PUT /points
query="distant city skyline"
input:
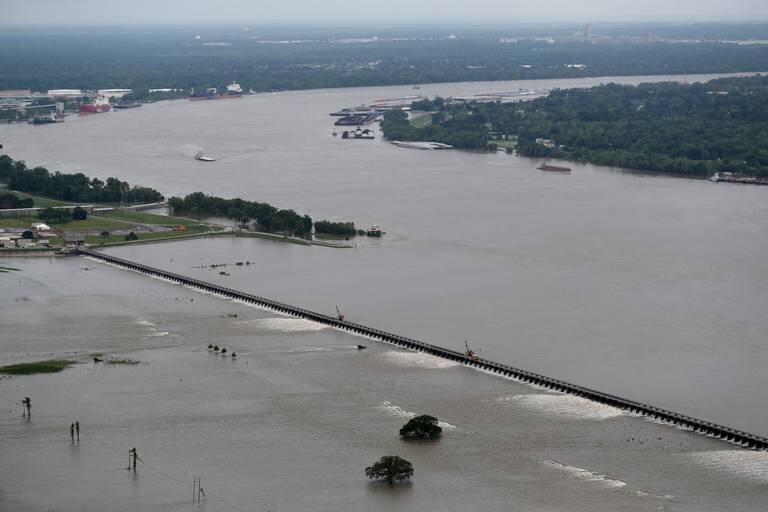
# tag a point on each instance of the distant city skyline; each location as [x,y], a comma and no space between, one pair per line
[330,11]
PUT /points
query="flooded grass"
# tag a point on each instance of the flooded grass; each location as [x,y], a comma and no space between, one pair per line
[50,366]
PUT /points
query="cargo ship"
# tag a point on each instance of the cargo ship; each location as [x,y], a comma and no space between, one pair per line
[98,105]
[554,168]
[211,93]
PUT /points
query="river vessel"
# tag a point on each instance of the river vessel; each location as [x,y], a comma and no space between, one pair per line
[554,168]
[364,134]
[201,157]
[421,145]
[211,93]
[736,177]
[127,104]
[374,231]
[38,120]
[97,106]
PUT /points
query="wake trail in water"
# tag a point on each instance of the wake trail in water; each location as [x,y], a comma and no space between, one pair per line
[414,359]
[563,405]
[394,410]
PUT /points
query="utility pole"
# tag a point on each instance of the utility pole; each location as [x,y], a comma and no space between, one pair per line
[197,490]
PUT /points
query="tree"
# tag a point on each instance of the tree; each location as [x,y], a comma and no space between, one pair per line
[55,215]
[421,427]
[390,468]
[79,213]
[27,235]
[131,236]
[104,234]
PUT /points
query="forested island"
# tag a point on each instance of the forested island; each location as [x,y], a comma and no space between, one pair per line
[687,129]
[177,59]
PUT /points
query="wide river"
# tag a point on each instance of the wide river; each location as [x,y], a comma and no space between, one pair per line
[649,287]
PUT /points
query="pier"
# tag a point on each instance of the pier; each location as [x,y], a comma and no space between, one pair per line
[722,432]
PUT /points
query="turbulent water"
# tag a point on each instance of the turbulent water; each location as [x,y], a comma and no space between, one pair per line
[648,287]
[292,421]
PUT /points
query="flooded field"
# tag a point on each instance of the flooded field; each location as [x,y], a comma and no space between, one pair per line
[293,420]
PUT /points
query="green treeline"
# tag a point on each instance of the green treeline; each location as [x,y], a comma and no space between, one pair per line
[71,187]
[167,57]
[335,228]
[79,188]
[450,125]
[267,217]
[9,200]
[689,129]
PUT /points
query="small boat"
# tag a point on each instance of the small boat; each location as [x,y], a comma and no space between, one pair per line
[203,158]
[360,347]
[374,231]
[554,168]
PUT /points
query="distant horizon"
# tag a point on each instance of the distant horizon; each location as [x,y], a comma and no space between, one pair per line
[390,22]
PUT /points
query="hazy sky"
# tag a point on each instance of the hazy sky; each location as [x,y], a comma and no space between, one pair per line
[251,11]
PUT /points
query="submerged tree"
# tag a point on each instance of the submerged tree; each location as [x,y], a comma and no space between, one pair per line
[421,427]
[390,468]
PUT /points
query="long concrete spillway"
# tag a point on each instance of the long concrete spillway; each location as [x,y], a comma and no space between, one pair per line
[704,427]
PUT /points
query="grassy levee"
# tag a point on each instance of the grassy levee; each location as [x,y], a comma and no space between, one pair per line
[192,231]
[40,202]
[50,366]
[92,222]
[149,218]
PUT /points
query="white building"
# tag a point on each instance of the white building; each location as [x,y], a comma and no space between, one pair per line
[114,93]
[39,226]
[65,93]
[6,242]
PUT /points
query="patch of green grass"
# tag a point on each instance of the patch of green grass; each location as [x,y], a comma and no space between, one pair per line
[42,202]
[50,366]
[92,222]
[111,239]
[149,218]
[17,222]
[421,121]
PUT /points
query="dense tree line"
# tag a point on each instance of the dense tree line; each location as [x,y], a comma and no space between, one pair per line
[71,187]
[9,200]
[462,129]
[267,217]
[691,129]
[335,228]
[163,58]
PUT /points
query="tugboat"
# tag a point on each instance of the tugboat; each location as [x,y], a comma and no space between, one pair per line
[471,354]
[374,231]
[200,156]
[359,133]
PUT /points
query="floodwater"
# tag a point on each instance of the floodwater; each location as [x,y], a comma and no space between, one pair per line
[291,423]
[652,288]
